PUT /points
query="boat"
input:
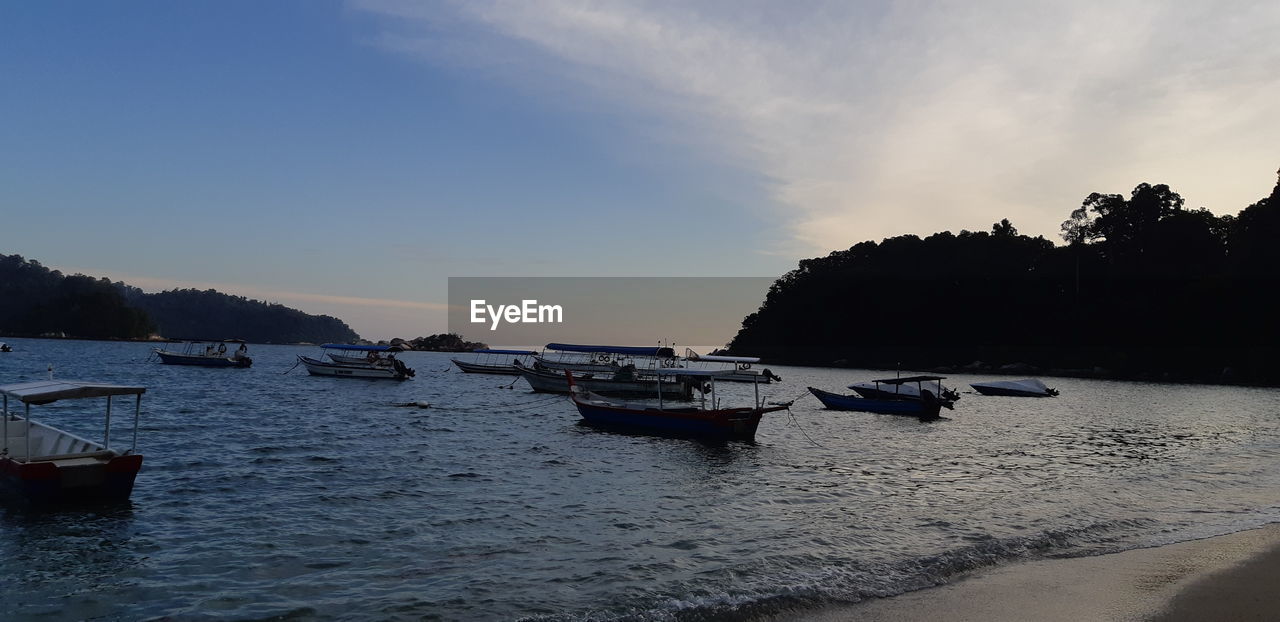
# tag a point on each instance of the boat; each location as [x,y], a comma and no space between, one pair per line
[207,354]
[604,359]
[1027,387]
[40,464]
[685,421]
[739,367]
[4,347]
[489,361]
[926,406]
[873,390]
[625,382]
[373,365]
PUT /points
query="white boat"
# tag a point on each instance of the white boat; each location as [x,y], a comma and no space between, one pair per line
[624,383]
[210,354]
[1027,387]
[379,362]
[739,368]
[490,361]
[41,464]
[604,359]
[881,390]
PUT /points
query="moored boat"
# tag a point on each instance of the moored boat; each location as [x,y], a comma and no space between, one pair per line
[1027,387]
[490,361]
[739,368]
[692,421]
[379,362]
[876,389]
[4,347]
[207,354]
[603,359]
[625,382]
[40,464]
[926,406]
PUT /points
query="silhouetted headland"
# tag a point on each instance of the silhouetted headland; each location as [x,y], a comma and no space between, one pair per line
[1143,288]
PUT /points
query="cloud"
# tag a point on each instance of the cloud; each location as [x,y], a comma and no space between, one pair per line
[875,119]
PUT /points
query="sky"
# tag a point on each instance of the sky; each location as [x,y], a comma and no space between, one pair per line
[348,157]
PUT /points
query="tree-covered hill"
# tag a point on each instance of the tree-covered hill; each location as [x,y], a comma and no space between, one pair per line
[210,314]
[40,301]
[1142,287]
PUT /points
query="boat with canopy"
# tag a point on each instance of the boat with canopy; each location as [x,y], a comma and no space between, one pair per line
[739,367]
[625,381]
[378,362]
[712,423]
[926,406]
[40,464]
[1027,387]
[206,353]
[492,361]
[603,359]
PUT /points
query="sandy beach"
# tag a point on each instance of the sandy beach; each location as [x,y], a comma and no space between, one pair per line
[1231,577]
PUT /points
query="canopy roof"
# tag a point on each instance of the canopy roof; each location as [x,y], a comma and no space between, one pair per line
[683,371]
[489,351]
[175,339]
[909,379]
[626,350]
[46,391]
[724,359]
[343,346]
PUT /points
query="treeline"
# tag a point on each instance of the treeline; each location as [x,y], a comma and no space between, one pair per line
[39,301]
[210,314]
[1143,287]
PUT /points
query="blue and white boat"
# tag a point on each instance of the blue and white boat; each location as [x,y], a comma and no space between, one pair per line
[490,361]
[603,359]
[207,354]
[926,404]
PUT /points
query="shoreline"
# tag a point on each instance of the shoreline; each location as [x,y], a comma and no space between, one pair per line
[1228,577]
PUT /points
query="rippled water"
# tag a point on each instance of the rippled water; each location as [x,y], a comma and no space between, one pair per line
[265,495]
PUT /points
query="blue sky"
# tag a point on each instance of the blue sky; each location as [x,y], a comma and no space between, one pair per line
[348,157]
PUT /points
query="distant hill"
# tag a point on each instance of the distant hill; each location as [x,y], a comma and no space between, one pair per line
[41,301]
[210,314]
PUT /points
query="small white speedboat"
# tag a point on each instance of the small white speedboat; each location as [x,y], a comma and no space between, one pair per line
[1028,387]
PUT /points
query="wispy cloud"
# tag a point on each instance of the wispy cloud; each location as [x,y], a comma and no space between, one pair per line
[873,119]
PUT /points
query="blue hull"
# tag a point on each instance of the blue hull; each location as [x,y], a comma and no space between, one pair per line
[169,358]
[911,408]
[682,422]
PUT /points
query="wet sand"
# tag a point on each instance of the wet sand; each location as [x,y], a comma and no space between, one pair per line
[1231,577]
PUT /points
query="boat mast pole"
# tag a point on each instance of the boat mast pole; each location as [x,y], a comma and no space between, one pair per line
[659,390]
[106,432]
[27,421]
[137,411]
[5,408]
[755,384]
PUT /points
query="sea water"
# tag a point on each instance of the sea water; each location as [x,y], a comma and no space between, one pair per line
[267,494]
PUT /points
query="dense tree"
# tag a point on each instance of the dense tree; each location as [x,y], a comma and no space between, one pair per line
[1143,285]
[40,301]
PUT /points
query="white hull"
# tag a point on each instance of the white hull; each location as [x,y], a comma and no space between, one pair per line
[320,368]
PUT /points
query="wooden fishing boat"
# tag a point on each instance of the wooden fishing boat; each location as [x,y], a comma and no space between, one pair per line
[490,361]
[40,464]
[207,354]
[379,362]
[626,382]
[1028,387]
[926,406]
[692,421]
